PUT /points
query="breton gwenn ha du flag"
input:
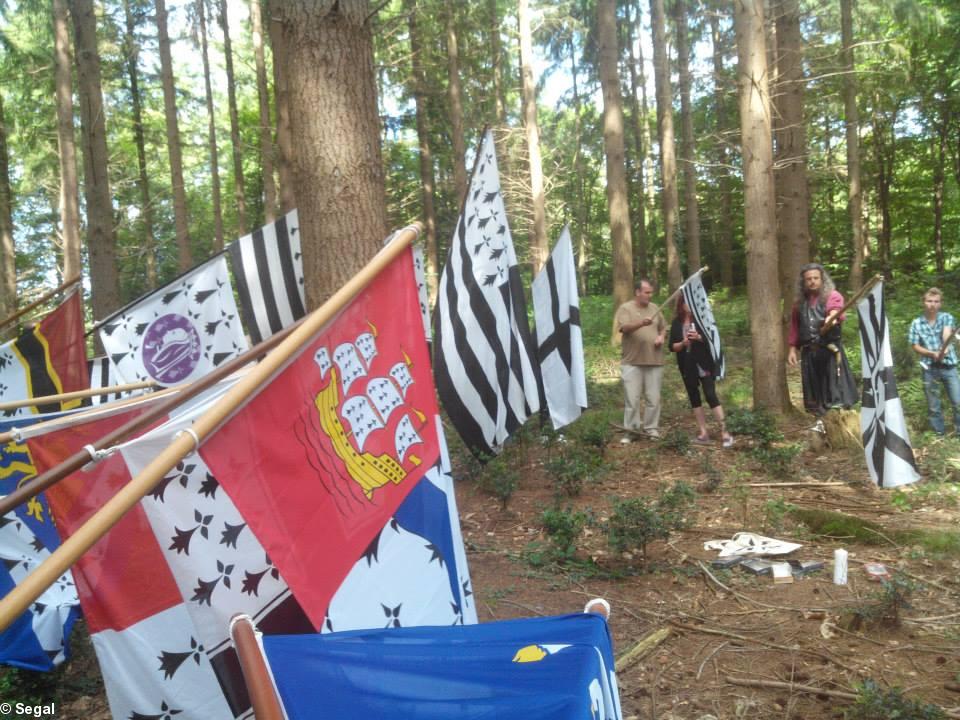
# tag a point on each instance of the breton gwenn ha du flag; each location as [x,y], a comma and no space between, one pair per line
[885,439]
[556,310]
[268,267]
[298,487]
[178,333]
[695,298]
[484,364]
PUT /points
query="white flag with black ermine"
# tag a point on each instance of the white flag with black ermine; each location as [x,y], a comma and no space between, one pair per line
[556,310]
[695,297]
[178,333]
[886,442]
[268,268]
[484,363]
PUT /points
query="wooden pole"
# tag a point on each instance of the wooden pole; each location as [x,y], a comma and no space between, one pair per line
[946,343]
[256,676]
[179,395]
[679,290]
[825,328]
[20,597]
[64,397]
[43,298]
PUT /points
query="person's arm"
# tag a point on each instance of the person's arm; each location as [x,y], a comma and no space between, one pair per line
[946,334]
[661,330]
[832,308]
[677,343]
[793,337]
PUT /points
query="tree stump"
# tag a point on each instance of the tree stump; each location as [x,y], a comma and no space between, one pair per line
[843,429]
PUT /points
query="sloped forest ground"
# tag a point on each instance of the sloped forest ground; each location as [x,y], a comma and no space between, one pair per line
[557,520]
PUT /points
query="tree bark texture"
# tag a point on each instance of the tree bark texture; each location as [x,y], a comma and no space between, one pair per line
[763,283]
[148,249]
[282,99]
[687,142]
[338,171]
[101,235]
[581,201]
[852,127]
[8,252]
[265,134]
[724,222]
[455,109]
[239,192]
[181,220]
[539,247]
[668,162]
[793,199]
[639,120]
[613,143]
[66,143]
[212,149]
[499,97]
[427,179]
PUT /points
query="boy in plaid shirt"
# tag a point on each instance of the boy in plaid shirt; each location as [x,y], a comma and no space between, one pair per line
[927,336]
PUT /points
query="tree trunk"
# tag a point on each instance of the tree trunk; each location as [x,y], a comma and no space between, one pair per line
[211,132]
[885,156]
[239,193]
[725,220]
[427,180]
[581,202]
[338,170]
[66,144]
[769,379]
[8,252]
[939,176]
[649,172]
[180,212]
[282,99]
[263,99]
[456,106]
[499,97]
[852,124]
[641,153]
[148,248]
[687,143]
[668,163]
[539,248]
[101,236]
[620,241]
[793,201]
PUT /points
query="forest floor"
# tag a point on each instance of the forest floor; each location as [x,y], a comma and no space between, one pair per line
[738,645]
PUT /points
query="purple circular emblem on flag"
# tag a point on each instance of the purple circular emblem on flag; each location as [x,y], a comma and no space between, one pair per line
[171,349]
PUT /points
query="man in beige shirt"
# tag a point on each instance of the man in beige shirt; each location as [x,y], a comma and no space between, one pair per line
[642,328]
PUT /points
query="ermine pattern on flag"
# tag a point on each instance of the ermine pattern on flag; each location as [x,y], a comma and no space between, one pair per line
[484,360]
[556,310]
[102,375]
[268,268]
[695,297]
[886,442]
[177,333]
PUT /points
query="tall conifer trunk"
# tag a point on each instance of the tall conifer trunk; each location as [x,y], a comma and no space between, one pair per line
[455,109]
[282,99]
[8,252]
[239,192]
[212,149]
[725,219]
[101,235]
[687,142]
[852,127]
[265,134]
[66,143]
[539,248]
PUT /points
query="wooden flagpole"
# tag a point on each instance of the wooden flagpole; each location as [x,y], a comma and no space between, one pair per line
[37,303]
[64,397]
[676,292]
[946,343]
[21,596]
[256,676]
[825,328]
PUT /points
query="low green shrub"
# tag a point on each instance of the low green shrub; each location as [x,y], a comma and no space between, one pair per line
[876,703]
[636,522]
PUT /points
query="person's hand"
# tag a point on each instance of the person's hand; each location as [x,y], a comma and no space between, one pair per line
[939,356]
[693,335]
[658,342]
[792,357]
[646,321]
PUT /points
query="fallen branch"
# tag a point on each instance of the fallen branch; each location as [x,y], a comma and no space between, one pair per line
[797,484]
[643,646]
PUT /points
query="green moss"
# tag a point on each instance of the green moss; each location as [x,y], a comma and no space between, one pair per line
[831,524]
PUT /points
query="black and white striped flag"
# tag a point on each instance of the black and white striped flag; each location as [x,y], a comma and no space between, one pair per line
[695,298]
[886,442]
[484,364]
[268,269]
[556,311]
[102,375]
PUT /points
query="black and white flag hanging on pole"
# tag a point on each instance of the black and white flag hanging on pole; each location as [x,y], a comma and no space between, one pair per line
[178,333]
[556,310]
[885,440]
[695,298]
[484,364]
[268,267]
